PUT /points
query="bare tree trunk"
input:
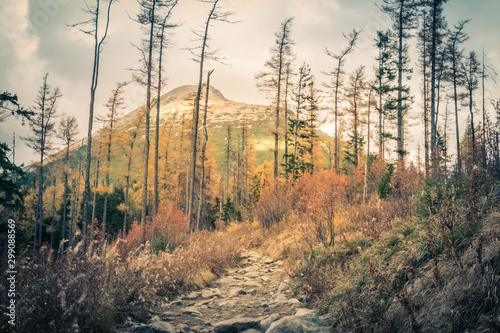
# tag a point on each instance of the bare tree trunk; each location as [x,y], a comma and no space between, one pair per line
[127,177]
[158,99]
[365,192]
[400,87]
[53,214]
[148,116]
[196,115]
[96,184]
[65,199]
[286,114]
[203,150]
[93,87]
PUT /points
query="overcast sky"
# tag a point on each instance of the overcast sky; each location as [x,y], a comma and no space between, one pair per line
[35,39]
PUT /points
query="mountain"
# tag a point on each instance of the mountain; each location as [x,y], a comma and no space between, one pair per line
[176,106]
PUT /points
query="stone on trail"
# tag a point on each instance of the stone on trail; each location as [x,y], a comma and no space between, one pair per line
[193,295]
[266,323]
[211,293]
[283,286]
[156,327]
[237,325]
[236,291]
[306,321]
[192,311]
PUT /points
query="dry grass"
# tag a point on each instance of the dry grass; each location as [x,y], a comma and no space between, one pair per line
[93,293]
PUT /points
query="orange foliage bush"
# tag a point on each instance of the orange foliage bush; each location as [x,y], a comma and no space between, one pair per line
[169,226]
[318,199]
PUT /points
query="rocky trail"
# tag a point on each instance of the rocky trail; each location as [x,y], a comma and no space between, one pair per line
[250,298]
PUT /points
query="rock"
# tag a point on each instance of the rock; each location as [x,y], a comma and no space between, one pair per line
[156,327]
[266,279]
[306,321]
[253,274]
[283,286]
[155,318]
[302,312]
[293,301]
[251,269]
[268,261]
[252,284]
[193,295]
[266,323]
[176,303]
[192,311]
[182,328]
[228,304]
[169,314]
[236,291]
[237,325]
[252,330]
[211,293]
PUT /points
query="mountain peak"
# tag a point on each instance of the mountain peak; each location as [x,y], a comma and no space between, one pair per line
[184,92]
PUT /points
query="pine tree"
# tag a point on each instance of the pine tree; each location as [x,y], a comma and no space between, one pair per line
[404,14]
[385,75]
[455,52]
[297,142]
[471,82]
[42,126]
[337,74]
[271,79]
[114,105]
[68,130]
[355,93]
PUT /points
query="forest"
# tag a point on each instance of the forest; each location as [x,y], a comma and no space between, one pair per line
[115,229]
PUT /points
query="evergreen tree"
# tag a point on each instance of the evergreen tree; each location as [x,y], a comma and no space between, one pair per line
[272,78]
[42,127]
[404,14]
[385,75]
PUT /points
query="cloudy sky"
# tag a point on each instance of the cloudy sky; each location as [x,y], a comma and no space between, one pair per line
[35,40]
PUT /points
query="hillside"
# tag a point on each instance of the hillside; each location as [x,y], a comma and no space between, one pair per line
[177,107]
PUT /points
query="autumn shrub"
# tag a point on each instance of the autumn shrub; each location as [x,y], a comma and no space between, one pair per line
[431,268]
[78,290]
[273,205]
[167,230]
[93,291]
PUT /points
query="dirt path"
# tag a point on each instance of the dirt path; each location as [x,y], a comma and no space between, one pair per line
[251,298]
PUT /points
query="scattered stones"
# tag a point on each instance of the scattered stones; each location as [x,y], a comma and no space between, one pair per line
[251,298]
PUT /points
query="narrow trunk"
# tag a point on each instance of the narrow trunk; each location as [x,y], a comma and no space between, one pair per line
[53,215]
[400,90]
[365,192]
[196,116]
[65,199]
[96,183]
[286,114]
[433,86]
[148,116]
[455,98]
[337,83]
[202,157]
